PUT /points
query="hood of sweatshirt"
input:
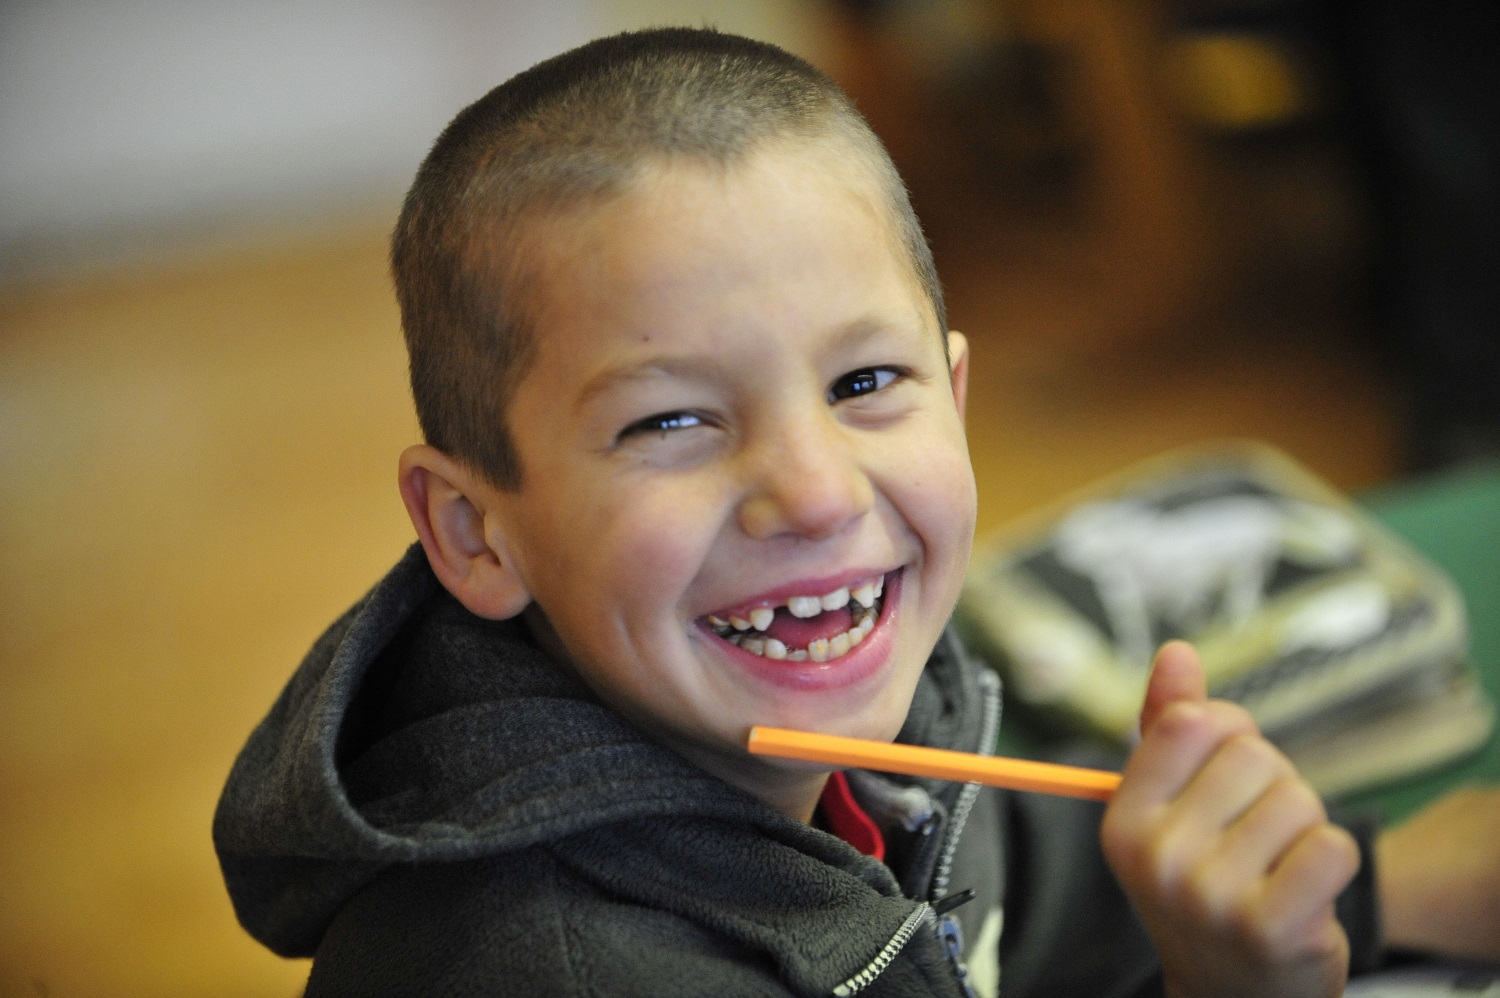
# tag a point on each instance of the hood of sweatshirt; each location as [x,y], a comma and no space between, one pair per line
[415,732]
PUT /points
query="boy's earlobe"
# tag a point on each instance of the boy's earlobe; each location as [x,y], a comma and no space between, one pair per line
[958,364]
[449,505]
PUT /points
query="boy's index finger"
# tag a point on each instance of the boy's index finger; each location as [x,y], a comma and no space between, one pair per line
[1174,746]
[1169,753]
[1179,743]
[1176,674]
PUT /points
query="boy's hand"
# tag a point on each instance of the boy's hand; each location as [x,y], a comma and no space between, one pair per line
[1439,876]
[1223,849]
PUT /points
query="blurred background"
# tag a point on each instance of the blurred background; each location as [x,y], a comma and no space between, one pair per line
[1159,221]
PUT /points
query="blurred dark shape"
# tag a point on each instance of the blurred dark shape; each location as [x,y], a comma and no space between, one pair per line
[868,8]
[1004,108]
[1423,99]
[1414,95]
[1320,155]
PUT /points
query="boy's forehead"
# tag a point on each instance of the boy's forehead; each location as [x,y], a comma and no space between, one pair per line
[848,167]
[554,246]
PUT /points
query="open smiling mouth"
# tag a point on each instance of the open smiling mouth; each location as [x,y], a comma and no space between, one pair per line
[805,628]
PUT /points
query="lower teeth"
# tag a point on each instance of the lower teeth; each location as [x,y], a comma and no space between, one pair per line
[821,650]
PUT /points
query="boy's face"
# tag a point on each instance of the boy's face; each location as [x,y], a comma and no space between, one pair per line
[740,400]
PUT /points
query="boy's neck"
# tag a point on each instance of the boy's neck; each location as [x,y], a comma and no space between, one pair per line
[796,798]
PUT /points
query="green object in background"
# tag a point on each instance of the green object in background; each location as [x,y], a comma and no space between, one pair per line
[1454,520]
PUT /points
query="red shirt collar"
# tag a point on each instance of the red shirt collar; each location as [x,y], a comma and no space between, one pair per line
[846,819]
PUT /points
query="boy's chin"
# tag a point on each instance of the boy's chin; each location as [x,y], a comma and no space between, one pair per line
[867,725]
[797,767]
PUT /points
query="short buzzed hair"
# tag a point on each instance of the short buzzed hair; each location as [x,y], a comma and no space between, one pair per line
[576,127]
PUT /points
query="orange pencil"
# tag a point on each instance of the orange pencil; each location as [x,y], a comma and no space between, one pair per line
[966,767]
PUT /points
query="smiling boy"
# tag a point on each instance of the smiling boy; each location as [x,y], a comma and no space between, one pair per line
[745,406]
[695,461]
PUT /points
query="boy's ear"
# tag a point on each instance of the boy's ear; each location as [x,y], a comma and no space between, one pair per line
[453,512]
[958,364]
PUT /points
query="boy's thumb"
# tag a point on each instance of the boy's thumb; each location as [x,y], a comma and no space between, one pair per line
[1176,674]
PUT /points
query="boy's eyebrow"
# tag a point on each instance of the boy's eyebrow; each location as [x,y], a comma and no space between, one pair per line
[706,368]
[690,368]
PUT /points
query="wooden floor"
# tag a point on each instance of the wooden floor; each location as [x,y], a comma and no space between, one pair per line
[197,468]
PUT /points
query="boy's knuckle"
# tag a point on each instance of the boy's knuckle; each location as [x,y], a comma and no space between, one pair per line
[1341,852]
[1231,718]
[1168,858]
[1250,752]
[1179,723]
[1205,896]
[1274,758]
[1297,798]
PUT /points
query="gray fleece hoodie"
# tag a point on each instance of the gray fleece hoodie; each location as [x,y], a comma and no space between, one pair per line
[433,807]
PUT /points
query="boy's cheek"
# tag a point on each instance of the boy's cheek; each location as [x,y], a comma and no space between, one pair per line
[957,503]
[649,525]
[936,463]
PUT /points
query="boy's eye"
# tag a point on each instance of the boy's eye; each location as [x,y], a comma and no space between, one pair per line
[662,422]
[861,382]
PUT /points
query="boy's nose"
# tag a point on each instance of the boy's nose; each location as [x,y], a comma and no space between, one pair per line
[805,485]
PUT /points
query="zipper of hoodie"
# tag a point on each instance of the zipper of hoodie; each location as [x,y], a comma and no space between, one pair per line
[989,729]
[875,967]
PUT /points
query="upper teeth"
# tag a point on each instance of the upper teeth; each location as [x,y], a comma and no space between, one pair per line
[805,606]
[760,618]
[866,593]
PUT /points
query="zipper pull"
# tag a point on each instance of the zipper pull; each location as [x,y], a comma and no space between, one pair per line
[952,901]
